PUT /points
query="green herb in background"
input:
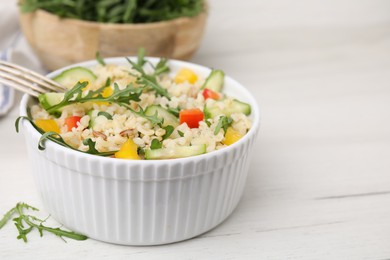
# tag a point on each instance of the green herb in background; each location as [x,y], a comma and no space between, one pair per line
[116,11]
[26,223]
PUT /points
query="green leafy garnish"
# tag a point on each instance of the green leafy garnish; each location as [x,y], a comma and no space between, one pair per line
[116,11]
[180,133]
[140,151]
[26,223]
[174,111]
[91,146]
[156,144]
[168,131]
[100,59]
[105,114]
[122,97]
[224,122]
[161,67]
[76,95]
[149,81]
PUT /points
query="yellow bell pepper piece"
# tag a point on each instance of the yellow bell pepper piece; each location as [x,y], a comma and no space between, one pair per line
[128,151]
[231,136]
[47,125]
[105,93]
[186,75]
[87,86]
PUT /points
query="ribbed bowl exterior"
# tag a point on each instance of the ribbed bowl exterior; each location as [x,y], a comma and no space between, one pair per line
[139,205]
[139,202]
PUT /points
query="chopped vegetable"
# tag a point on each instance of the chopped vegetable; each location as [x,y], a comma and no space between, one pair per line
[208,93]
[160,112]
[231,136]
[224,122]
[48,100]
[186,75]
[168,131]
[72,121]
[107,91]
[191,117]
[175,152]
[47,125]
[226,107]
[214,81]
[156,144]
[68,78]
[128,151]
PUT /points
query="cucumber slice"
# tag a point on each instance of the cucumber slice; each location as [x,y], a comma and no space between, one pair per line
[214,81]
[70,77]
[92,117]
[175,152]
[213,109]
[169,118]
[48,100]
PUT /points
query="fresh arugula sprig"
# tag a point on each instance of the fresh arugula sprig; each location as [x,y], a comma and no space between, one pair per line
[55,137]
[122,97]
[76,95]
[155,144]
[100,59]
[149,81]
[25,223]
[161,67]
[224,122]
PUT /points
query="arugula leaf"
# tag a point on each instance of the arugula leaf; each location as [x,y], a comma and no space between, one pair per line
[161,67]
[121,97]
[168,131]
[33,222]
[75,95]
[91,146]
[100,59]
[105,114]
[150,81]
[141,57]
[224,122]
[174,111]
[156,144]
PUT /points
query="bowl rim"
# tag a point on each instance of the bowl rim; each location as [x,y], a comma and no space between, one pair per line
[251,134]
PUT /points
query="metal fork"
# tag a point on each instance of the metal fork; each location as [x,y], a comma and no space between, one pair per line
[26,80]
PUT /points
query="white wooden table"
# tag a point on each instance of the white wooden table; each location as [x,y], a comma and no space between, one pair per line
[319,185]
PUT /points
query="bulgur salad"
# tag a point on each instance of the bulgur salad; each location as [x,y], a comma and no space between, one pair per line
[140,110]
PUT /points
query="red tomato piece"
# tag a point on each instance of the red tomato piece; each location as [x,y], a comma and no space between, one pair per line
[208,93]
[72,122]
[191,116]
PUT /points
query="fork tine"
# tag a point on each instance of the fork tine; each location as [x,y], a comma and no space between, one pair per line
[32,76]
[14,75]
[24,83]
[20,87]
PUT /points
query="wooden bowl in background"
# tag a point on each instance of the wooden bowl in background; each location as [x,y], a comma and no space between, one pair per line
[59,42]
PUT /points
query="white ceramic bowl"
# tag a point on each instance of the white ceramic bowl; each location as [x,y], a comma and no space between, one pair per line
[145,202]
